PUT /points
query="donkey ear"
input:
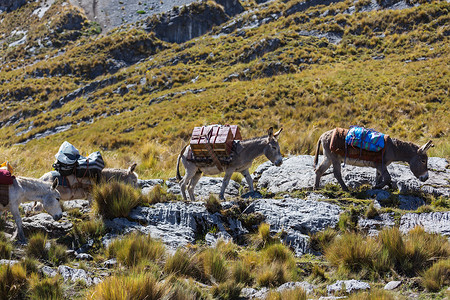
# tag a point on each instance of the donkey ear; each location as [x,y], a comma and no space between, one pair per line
[270,133]
[131,168]
[276,134]
[55,183]
[425,147]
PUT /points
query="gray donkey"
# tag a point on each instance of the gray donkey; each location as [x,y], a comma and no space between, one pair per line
[243,155]
[395,150]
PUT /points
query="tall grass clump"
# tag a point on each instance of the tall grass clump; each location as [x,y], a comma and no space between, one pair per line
[376,294]
[135,249]
[57,253]
[227,290]
[183,263]
[320,240]
[159,195]
[214,265]
[13,282]
[84,231]
[437,276]
[5,247]
[36,247]
[279,253]
[263,237]
[353,253]
[272,275]
[241,274]
[141,286]
[115,199]
[45,288]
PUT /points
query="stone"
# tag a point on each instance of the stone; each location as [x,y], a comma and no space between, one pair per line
[10,5]
[296,218]
[392,285]
[374,225]
[44,222]
[82,205]
[8,262]
[212,238]
[434,222]
[251,293]
[288,177]
[205,187]
[71,274]
[84,256]
[306,286]
[110,263]
[349,286]
[48,271]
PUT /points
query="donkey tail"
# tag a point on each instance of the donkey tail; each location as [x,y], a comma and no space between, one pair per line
[178,163]
[316,157]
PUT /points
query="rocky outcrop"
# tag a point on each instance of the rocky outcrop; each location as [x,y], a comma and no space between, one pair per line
[435,222]
[182,24]
[10,5]
[177,223]
[205,187]
[231,7]
[71,274]
[350,286]
[43,222]
[297,173]
[296,218]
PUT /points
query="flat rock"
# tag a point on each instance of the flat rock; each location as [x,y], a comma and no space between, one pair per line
[349,286]
[306,286]
[205,187]
[392,285]
[434,222]
[44,222]
[297,218]
[177,223]
[71,274]
[48,271]
[82,205]
[297,172]
[374,225]
[8,262]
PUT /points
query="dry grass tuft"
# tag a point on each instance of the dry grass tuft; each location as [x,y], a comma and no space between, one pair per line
[45,288]
[13,282]
[37,246]
[437,276]
[294,294]
[213,205]
[115,199]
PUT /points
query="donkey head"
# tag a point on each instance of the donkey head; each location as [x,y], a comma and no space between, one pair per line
[272,149]
[50,201]
[418,164]
[132,177]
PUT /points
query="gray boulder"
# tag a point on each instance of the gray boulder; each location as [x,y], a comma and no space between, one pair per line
[205,187]
[434,222]
[374,225]
[349,286]
[177,223]
[306,286]
[297,172]
[392,285]
[10,5]
[297,218]
[44,222]
[74,275]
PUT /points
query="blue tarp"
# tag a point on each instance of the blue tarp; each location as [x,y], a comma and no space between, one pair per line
[367,139]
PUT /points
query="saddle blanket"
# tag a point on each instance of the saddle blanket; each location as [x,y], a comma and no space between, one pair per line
[338,146]
[367,139]
[4,194]
[62,180]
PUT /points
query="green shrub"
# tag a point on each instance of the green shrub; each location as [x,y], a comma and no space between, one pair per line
[13,282]
[115,199]
[437,276]
[135,249]
[37,246]
[45,288]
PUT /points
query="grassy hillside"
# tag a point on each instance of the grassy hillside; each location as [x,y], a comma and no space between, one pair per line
[389,72]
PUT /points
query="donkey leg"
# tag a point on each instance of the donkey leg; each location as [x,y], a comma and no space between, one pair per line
[320,170]
[192,184]
[385,179]
[186,179]
[226,180]
[249,179]
[16,215]
[338,175]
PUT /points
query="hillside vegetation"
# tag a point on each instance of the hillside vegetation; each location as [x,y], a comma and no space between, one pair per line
[137,98]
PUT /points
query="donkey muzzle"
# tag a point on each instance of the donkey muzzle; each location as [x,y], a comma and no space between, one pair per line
[57,217]
[423,177]
[278,162]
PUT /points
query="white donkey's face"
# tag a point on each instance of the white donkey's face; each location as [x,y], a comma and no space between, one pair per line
[50,201]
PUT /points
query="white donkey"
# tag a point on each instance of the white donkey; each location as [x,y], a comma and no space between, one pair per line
[243,156]
[26,189]
[81,188]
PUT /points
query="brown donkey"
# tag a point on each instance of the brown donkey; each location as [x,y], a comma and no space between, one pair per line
[394,150]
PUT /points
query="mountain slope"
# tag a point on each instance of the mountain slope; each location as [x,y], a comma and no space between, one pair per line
[300,65]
